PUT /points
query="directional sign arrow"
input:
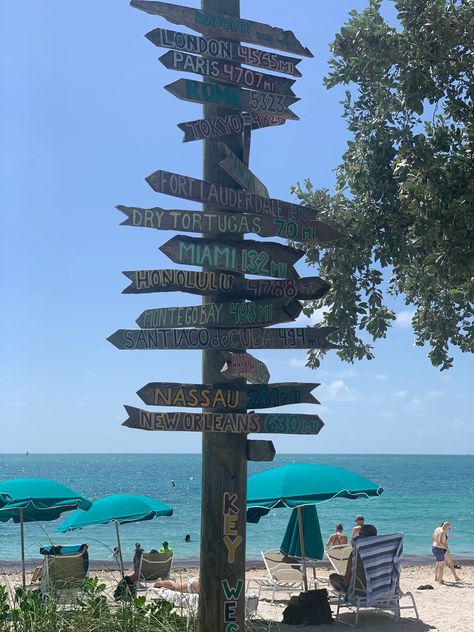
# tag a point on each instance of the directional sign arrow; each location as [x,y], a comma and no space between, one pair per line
[227,197]
[227,72]
[224,125]
[226,26]
[247,257]
[228,396]
[228,223]
[221,339]
[252,314]
[239,172]
[276,423]
[225,50]
[232,97]
[210,283]
[246,366]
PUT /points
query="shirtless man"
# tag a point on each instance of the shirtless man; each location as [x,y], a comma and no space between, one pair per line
[359,520]
[441,552]
[185,586]
[338,538]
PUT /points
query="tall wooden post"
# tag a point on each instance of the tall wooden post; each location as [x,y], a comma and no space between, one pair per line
[224,455]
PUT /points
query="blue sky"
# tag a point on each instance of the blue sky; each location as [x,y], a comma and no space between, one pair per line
[84,119]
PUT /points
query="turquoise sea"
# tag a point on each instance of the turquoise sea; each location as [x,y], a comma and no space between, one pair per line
[420,493]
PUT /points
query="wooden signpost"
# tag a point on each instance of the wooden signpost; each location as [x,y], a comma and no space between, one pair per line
[227,197]
[236,100]
[244,365]
[228,223]
[232,314]
[227,72]
[226,26]
[211,283]
[225,50]
[249,257]
[227,396]
[227,124]
[224,339]
[224,422]
[232,97]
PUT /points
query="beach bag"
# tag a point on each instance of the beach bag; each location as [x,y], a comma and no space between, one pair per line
[126,589]
[310,607]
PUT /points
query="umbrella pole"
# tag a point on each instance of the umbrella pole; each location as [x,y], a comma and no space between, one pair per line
[119,547]
[22,539]
[303,557]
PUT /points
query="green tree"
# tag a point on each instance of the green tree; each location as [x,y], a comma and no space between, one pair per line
[405,187]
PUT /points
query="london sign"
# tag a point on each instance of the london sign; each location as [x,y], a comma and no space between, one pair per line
[225,50]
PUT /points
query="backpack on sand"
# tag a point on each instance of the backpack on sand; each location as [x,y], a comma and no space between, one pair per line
[311,607]
[126,589]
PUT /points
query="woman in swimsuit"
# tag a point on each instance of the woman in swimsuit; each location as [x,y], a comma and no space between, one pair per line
[185,586]
[338,538]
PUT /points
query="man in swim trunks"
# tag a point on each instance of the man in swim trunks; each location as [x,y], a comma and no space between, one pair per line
[441,552]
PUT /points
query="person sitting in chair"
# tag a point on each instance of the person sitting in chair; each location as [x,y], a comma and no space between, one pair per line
[342,582]
[338,538]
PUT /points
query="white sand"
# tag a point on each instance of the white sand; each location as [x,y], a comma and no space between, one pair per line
[447,608]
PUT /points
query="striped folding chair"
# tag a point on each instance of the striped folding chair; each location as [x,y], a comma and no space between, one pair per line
[381,557]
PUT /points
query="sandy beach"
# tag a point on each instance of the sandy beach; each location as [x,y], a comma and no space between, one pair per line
[447,608]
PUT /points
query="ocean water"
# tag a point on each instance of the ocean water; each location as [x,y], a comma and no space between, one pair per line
[419,493]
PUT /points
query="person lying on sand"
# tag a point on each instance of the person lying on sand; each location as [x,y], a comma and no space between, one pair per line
[185,586]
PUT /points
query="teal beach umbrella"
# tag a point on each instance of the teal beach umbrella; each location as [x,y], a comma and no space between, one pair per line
[310,542]
[300,484]
[34,500]
[119,509]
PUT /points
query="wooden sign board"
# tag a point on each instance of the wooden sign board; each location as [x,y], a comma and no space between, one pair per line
[203,129]
[227,72]
[226,26]
[224,339]
[239,172]
[244,365]
[227,197]
[275,423]
[228,396]
[227,96]
[260,450]
[210,283]
[228,224]
[246,257]
[225,50]
[240,314]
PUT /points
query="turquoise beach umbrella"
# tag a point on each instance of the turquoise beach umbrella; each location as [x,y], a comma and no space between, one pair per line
[300,484]
[119,509]
[34,500]
[313,542]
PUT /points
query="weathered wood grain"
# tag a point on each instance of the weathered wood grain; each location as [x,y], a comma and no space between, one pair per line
[217,24]
[240,173]
[223,125]
[225,50]
[248,257]
[272,423]
[245,365]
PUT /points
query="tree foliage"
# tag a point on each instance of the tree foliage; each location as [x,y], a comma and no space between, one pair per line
[405,187]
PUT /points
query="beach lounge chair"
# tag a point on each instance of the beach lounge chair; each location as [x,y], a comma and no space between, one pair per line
[154,566]
[64,572]
[187,604]
[338,556]
[284,574]
[381,557]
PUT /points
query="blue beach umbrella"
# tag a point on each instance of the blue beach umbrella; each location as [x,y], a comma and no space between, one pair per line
[34,500]
[313,546]
[300,484]
[119,509]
